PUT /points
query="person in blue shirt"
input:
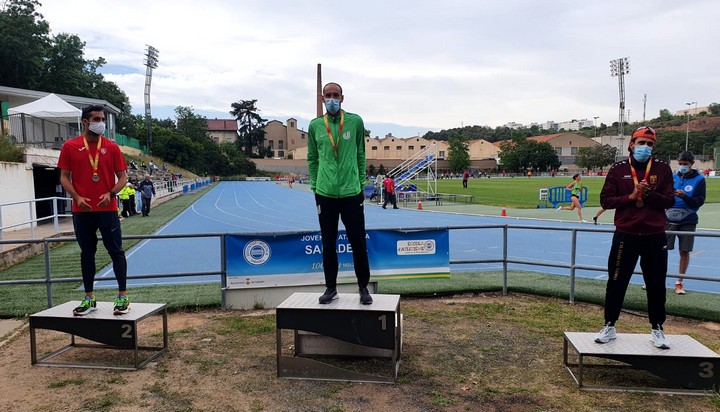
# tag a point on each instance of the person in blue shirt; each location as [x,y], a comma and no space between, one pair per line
[682,216]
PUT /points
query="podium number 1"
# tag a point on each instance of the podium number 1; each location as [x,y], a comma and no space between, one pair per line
[383,322]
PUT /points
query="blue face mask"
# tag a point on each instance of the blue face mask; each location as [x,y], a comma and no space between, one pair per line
[684,169]
[332,105]
[642,153]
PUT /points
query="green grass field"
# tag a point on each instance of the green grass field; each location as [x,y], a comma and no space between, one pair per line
[522,192]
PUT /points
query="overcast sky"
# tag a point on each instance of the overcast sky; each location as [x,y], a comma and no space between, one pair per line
[406,67]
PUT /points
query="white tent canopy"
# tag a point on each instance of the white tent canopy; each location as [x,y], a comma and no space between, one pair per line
[49,107]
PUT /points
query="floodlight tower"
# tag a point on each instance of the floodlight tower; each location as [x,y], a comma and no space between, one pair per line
[619,68]
[151,61]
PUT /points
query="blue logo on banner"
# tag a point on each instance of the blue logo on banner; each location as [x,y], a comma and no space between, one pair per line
[256,252]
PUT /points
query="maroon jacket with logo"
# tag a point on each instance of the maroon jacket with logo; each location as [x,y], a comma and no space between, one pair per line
[619,184]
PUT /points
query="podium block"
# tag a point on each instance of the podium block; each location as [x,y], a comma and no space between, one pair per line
[342,328]
[102,326]
[689,365]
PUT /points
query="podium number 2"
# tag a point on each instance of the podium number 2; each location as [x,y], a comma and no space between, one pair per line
[127,331]
[383,322]
[707,370]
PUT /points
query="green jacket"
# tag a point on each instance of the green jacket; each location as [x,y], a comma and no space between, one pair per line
[342,175]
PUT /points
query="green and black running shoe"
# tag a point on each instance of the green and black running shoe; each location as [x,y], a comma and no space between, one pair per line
[88,305]
[122,305]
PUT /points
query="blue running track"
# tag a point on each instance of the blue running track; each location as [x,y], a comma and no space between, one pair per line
[241,207]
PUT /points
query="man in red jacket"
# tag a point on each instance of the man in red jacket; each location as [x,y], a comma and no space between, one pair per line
[639,189]
[389,186]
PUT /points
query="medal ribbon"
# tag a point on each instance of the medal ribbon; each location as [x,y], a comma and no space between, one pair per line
[635,178]
[329,132]
[93,162]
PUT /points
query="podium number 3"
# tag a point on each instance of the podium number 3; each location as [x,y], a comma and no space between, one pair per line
[707,368]
[127,331]
[383,322]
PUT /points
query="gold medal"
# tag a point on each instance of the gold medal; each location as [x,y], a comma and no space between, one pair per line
[95,178]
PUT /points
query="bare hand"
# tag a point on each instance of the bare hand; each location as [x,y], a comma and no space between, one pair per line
[680,193]
[83,203]
[643,186]
[104,200]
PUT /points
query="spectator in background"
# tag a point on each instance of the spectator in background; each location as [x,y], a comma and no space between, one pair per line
[147,191]
[389,186]
[682,216]
[124,196]
[132,192]
[151,166]
[465,177]
[164,167]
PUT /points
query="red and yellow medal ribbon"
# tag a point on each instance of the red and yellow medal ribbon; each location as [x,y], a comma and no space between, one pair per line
[329,132]
[639,201]
[93,162]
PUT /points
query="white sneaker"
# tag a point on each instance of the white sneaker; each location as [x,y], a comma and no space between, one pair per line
[679,289]
[644,287]
[658,339]
[606,334]
[558,209]
[583,221]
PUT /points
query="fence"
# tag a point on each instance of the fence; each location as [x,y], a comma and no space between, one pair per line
[34,131]
[572,266]
[61,206]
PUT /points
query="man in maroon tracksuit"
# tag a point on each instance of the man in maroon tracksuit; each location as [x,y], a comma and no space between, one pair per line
[640,189]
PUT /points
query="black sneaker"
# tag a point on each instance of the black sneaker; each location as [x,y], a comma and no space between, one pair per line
[328,296]
[365,297]
[595,220]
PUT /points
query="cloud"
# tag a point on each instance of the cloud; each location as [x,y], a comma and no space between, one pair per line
[405,65]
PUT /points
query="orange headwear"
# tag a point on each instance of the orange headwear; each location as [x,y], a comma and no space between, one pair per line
[646,132]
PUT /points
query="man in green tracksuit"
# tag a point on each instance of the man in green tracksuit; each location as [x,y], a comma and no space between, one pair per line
[336,162]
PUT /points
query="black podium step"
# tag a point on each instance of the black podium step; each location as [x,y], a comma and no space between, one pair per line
[689,365]
[341,328]
[109,331]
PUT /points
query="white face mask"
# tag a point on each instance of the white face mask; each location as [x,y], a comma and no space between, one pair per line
[97,127]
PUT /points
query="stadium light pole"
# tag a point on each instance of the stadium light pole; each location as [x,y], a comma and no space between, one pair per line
[619,68]
[151,62]
[595,124]
[687,119]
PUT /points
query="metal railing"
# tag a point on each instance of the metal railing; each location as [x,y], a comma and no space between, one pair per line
[35,131]
[573,266]
[162,190]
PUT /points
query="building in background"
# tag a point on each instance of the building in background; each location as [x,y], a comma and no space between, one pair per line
[222,130]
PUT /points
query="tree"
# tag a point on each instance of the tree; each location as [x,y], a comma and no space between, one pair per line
[605,155]
[597,156]
[665,114]
[24,37]
[523,154]
[714,109]
[585,158]
[458,158]
[251,123]
[65,67]
[371,170]
[381,170]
